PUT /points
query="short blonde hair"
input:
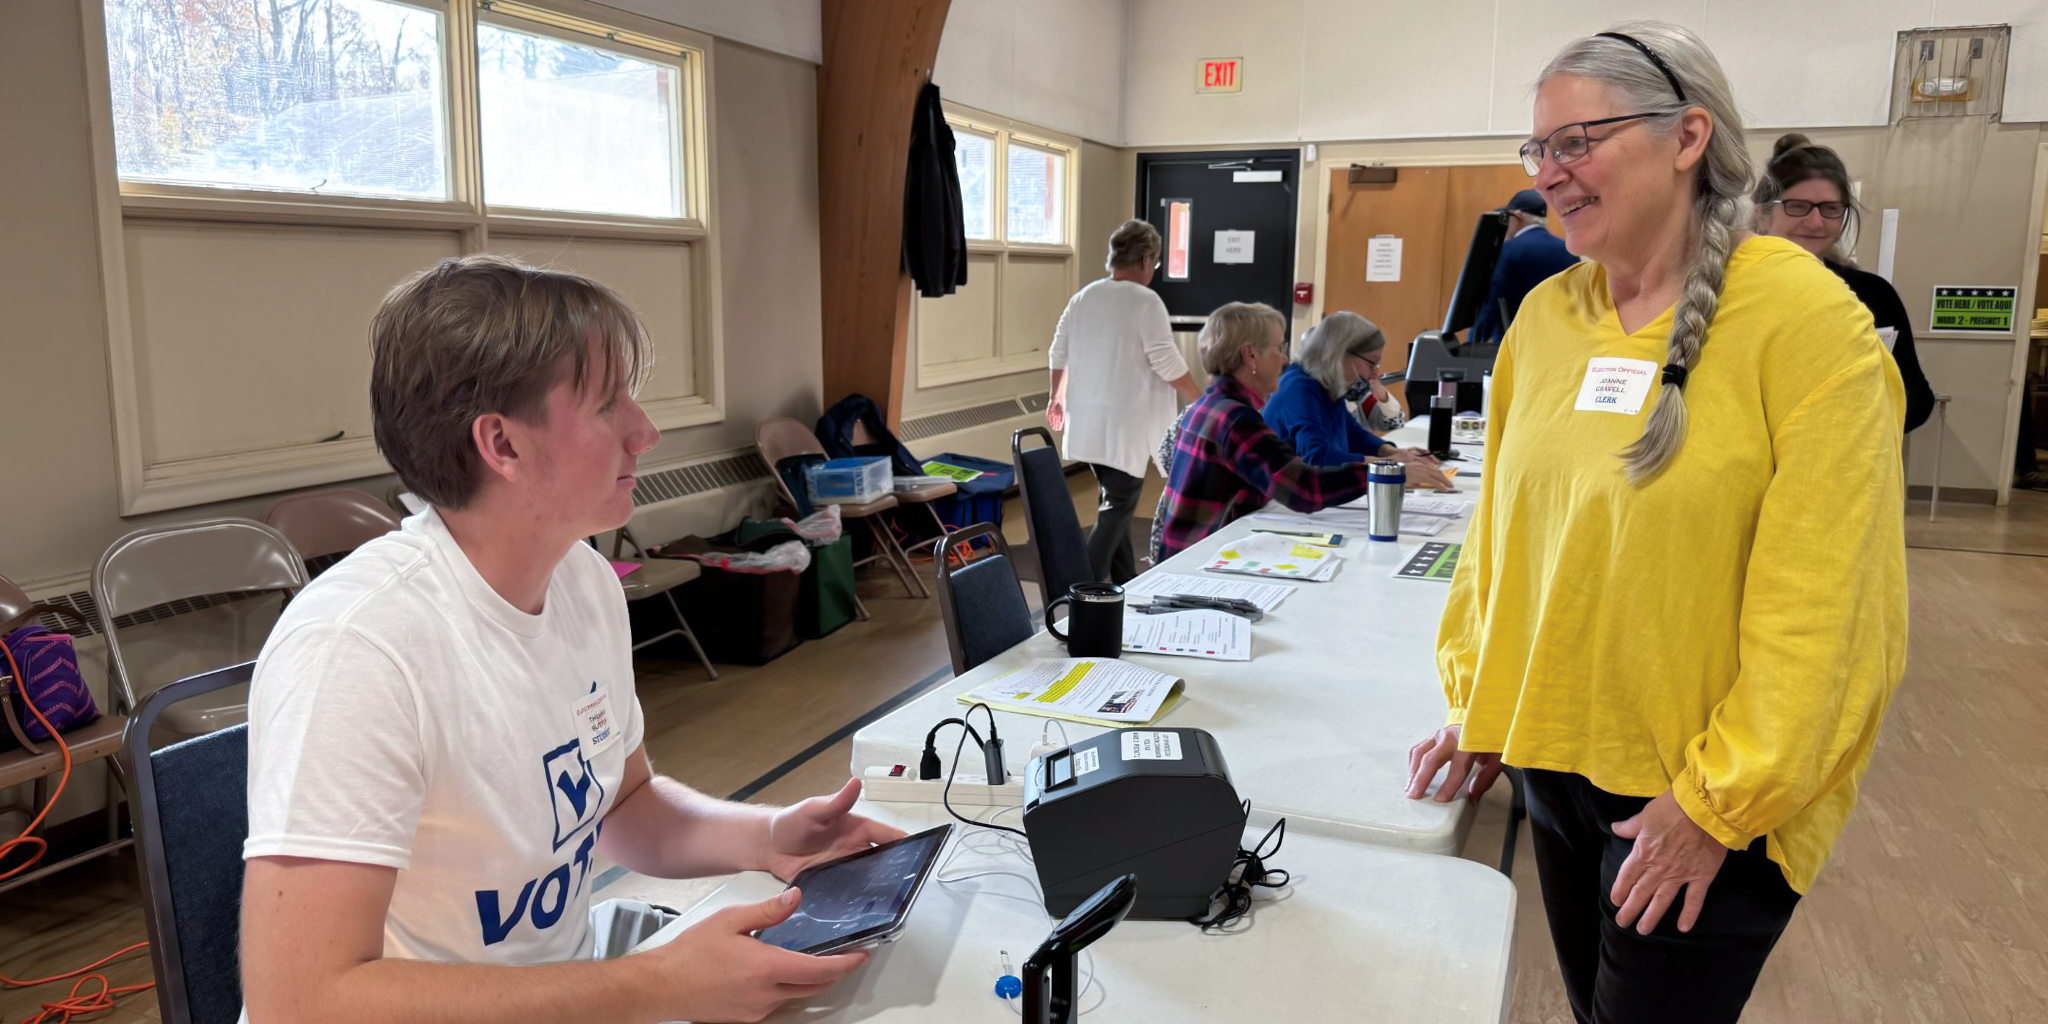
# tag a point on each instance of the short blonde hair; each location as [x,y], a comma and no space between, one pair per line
[1134,243]
[1234,327]
[482,334]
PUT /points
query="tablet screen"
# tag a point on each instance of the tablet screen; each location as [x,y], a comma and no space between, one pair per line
[860,896]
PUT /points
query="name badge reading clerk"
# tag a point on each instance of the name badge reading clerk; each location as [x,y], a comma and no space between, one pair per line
[1616,385]
[595,725]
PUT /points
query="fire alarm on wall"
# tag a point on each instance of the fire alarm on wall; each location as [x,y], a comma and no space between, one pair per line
[1304,293]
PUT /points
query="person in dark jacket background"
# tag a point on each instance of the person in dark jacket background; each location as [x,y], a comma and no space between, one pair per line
[1803,196]
[1530,255]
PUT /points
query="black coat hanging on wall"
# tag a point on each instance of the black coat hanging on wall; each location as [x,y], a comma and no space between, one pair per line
[934,224]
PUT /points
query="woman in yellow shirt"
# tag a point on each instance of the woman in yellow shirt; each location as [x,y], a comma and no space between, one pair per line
[1681,609]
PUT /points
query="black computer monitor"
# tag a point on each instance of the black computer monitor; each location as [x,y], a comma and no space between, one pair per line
[1476,276]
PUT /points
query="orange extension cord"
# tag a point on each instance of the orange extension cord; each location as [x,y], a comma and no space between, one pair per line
[83,999]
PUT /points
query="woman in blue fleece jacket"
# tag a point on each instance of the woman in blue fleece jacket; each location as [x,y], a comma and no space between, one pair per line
[1335,360]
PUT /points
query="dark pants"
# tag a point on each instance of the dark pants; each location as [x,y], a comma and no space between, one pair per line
[1612,974]
[1111,556]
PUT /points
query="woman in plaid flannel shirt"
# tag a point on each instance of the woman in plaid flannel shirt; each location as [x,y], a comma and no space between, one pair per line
[1227,463]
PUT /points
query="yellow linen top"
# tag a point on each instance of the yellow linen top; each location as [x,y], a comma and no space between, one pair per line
[1731,630]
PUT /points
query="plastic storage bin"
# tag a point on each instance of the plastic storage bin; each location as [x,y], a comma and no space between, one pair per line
[847,481]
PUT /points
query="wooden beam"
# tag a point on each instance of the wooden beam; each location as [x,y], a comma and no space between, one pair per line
[878,55]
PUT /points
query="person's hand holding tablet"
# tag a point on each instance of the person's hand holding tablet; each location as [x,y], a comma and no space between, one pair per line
[716,970]
[821,829]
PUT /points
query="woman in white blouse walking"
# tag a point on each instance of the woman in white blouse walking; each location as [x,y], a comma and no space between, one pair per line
[1115,371]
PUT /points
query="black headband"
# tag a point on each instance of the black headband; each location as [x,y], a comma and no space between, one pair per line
[1654,59]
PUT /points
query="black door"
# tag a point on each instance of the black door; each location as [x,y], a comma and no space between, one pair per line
[1236,204]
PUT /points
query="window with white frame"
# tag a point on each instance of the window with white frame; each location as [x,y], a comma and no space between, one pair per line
[1016,189]
[277,167]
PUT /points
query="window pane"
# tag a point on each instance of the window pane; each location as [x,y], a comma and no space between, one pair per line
[339,96]
[572,127]
[1038,192]
[1179,213]
[976,155]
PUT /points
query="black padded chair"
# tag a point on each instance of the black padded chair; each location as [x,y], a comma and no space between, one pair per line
[981,601]
[191,807]
[1049,518]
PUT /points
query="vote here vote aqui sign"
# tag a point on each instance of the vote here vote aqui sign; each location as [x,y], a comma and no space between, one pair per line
[1973,308]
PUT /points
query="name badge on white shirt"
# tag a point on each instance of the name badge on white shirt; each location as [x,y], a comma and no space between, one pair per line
[1888,335]
[595,726]
[1616,385]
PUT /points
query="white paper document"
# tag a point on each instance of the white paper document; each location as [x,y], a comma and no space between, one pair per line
[1235,246]
[1198,633]
[1266,595]
[1448,507]
[1383,260]
[1276,557]
[1344,519]
[1421,525]
[1098,691]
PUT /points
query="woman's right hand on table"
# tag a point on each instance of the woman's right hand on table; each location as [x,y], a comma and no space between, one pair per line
[1441,749]
[1427,473]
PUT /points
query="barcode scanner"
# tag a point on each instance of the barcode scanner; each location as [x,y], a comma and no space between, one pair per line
[1049,975]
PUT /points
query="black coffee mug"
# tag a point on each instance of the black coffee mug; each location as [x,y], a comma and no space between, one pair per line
[1097,618]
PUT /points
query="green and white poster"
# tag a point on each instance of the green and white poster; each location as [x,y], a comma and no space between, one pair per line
[1973,308]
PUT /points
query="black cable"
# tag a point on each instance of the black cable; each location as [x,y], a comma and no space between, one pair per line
[946,797]
[1247,872]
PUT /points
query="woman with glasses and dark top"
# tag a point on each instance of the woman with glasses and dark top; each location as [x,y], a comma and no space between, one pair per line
[1115,372]
[1335,363]
[1803,196]
[1681,605]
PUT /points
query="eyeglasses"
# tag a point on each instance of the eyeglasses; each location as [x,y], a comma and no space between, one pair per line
[1569,143]
[1802,207]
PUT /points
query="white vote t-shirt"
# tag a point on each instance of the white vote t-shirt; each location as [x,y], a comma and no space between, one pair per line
[403,714]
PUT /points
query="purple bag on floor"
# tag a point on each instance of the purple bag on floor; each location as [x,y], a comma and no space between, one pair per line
[49,679]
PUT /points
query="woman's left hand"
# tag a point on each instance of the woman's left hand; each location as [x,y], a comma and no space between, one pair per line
[1414,456]
[820,829]
[1672,853]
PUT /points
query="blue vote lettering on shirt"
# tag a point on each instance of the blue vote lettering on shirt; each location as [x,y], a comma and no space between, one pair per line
[575,794]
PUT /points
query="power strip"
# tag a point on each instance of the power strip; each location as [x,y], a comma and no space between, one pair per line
[878,783]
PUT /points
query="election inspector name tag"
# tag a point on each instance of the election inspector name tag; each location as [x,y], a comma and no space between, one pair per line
[1616,385]
[595,726]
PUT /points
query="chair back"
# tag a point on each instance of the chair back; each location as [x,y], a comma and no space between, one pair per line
[191,809]
[981,602]
[1049,515]
[175,562]
[335,522]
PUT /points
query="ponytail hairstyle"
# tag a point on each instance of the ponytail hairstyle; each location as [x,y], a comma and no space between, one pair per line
[1796,159]
[1677,64]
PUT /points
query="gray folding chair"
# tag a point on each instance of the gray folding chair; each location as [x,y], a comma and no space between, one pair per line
[191,808]
[33,762]
[783,438]
[326,525]
[981,601]
[1056,538]
[659,577]
[160,565]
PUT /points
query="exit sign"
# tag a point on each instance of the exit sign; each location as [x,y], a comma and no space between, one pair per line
[1220,74]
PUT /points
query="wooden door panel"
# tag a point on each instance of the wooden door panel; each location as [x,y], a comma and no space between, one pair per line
[1411,209]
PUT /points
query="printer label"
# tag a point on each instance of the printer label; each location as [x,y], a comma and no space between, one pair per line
[1086,761]
[1151,746]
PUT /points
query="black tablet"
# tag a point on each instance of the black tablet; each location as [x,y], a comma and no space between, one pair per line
[861,898]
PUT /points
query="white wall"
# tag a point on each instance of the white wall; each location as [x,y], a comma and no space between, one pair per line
[1322,70]
[1056,63]
[790,27]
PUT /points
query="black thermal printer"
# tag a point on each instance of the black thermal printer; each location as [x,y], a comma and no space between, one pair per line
[1156,803]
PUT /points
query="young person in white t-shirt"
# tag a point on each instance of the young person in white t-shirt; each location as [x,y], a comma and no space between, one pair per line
[443,727]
